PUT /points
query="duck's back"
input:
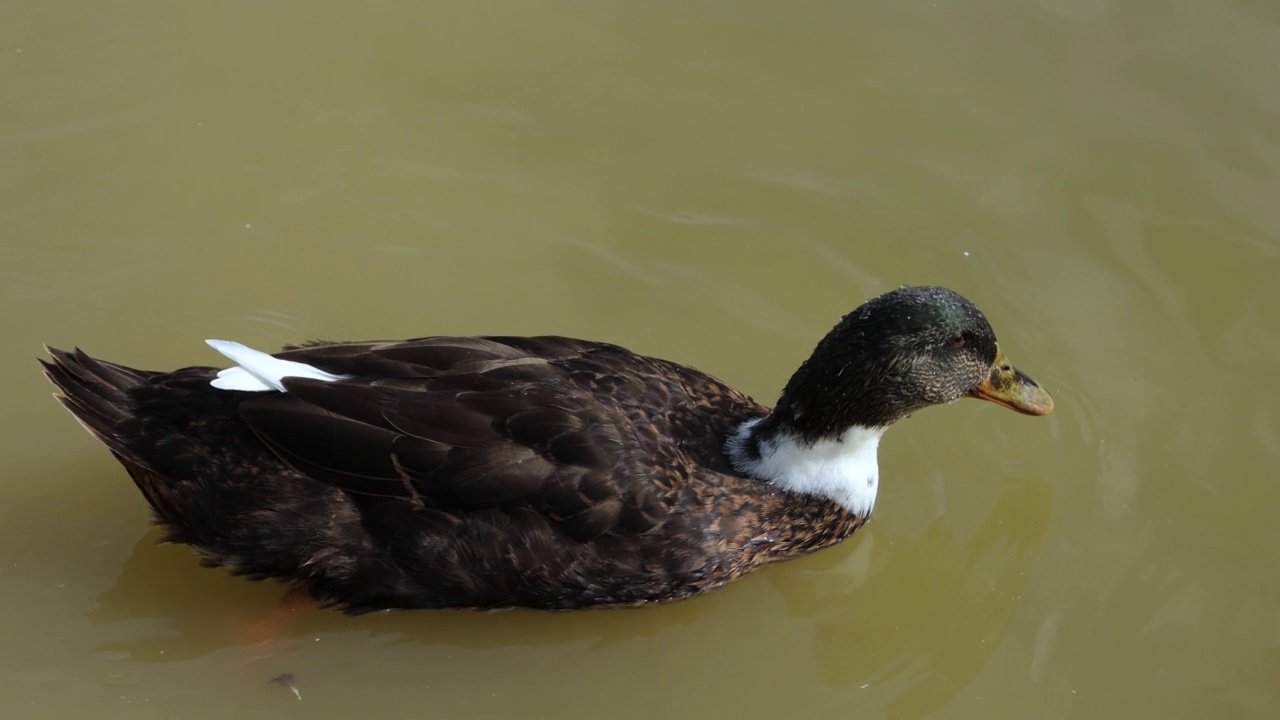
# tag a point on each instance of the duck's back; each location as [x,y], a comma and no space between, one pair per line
[454,472]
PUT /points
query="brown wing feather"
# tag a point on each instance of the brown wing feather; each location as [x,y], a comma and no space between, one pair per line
[466,423]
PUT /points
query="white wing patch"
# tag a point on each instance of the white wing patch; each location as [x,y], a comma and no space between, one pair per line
[257,371]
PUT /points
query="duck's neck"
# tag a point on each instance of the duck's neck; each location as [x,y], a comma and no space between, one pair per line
[840,467]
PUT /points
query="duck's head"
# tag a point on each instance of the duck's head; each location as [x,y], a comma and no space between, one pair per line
[900,352]
[897,353]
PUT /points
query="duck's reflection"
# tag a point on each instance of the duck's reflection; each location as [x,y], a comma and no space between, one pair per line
[179,610]
[908,623]
[922,620]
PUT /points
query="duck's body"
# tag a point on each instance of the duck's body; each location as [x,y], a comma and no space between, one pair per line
[495,472]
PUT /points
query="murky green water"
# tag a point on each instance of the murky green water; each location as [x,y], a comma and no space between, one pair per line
[712,182]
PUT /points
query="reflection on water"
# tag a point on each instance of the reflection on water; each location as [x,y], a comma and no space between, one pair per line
[964,587]
[873,623]
[174,610]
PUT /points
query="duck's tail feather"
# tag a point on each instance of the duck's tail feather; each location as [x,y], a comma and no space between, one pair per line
[96,392]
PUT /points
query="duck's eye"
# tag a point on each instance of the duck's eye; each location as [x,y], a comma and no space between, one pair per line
[956,340]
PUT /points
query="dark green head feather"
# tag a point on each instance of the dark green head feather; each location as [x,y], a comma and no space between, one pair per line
[902,351]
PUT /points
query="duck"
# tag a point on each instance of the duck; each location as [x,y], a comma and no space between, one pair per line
[493,472]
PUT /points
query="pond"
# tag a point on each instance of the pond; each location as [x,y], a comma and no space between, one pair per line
[711,182]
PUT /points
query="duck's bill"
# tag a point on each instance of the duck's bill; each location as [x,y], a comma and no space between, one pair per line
[1010,387]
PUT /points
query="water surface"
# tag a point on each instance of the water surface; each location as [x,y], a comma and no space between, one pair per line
[711,182]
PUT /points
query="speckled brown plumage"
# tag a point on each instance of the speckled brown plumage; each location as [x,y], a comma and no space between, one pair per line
[455,472]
